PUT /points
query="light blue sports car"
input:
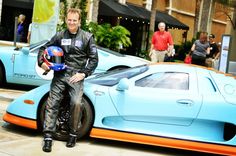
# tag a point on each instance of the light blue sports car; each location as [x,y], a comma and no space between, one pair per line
[172,105]
[19,65]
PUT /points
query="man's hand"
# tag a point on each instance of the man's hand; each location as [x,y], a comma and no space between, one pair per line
[77,77]
[45,67]
[150,53]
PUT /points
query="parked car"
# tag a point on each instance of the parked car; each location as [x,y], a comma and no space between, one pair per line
[168,104]
[19,65]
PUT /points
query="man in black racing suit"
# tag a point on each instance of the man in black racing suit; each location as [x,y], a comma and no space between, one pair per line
[81,59]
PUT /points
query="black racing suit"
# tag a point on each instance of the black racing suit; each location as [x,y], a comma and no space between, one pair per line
[80,55]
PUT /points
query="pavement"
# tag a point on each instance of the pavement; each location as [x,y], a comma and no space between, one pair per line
[10,94]
[17,141]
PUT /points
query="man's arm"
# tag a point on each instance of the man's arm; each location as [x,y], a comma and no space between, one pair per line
[171,45]
[92,57]
[151,49]
[170,50]
[193,47]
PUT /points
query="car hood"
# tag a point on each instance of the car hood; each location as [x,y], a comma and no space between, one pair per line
[7,48]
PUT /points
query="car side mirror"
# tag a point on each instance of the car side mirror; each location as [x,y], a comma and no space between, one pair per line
[123,84]
[25,50]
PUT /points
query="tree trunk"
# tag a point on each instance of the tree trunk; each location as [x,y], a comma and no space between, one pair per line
[152,21]
[94,12]
[232,56]
[153,16]
[196,20]
[206,15]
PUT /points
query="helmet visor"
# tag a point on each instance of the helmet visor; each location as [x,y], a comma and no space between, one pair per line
[57,59]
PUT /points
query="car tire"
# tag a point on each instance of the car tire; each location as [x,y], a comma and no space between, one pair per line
[62,127]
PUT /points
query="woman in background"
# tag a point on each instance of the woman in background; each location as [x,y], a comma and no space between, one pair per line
[21,27]
[200,49]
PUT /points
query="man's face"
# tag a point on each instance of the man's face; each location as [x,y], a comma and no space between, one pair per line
[73,22]
[211,39]
[161,27]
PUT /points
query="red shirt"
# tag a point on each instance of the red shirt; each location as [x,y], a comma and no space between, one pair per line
[161,40]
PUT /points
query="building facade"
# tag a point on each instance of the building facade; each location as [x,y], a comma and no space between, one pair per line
[184,10]
[207,16]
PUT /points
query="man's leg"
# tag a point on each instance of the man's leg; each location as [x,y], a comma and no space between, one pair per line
[76,93]
[47,146]
[51,112]
[161,56]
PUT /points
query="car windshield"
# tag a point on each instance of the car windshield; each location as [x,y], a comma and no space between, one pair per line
[111,52]
[32,46]
[111,78]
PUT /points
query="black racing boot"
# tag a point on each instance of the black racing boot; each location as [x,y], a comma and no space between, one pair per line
[71,141]
[47,146]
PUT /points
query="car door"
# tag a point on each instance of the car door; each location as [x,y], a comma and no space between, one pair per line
[24,63]
[26,70]
[163,97]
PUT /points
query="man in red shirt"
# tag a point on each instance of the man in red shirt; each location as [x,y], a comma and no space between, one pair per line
[162,44]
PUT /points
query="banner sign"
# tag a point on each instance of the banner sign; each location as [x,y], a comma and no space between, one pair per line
[224,53]
[44,21]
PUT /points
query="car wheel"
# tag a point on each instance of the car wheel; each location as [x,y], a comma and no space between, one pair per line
[62,124]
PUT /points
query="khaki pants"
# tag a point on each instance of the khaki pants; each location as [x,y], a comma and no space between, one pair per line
[215,63]
[157,56]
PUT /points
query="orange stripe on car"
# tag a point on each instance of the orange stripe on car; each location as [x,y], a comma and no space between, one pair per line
[162,141]
[20,121]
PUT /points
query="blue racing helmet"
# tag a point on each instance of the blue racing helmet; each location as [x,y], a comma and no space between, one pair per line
[54,58]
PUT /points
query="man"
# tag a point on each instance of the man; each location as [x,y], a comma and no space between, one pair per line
[80,54]
[213,51]
[162,44]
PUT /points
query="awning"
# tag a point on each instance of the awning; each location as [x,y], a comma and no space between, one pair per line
[113,8]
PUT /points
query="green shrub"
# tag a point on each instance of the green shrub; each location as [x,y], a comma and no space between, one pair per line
[115,38]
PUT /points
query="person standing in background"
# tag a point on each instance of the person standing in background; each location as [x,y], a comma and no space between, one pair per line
[213,51]
[21,27]
[200,49]
[215,61]
[162,44]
